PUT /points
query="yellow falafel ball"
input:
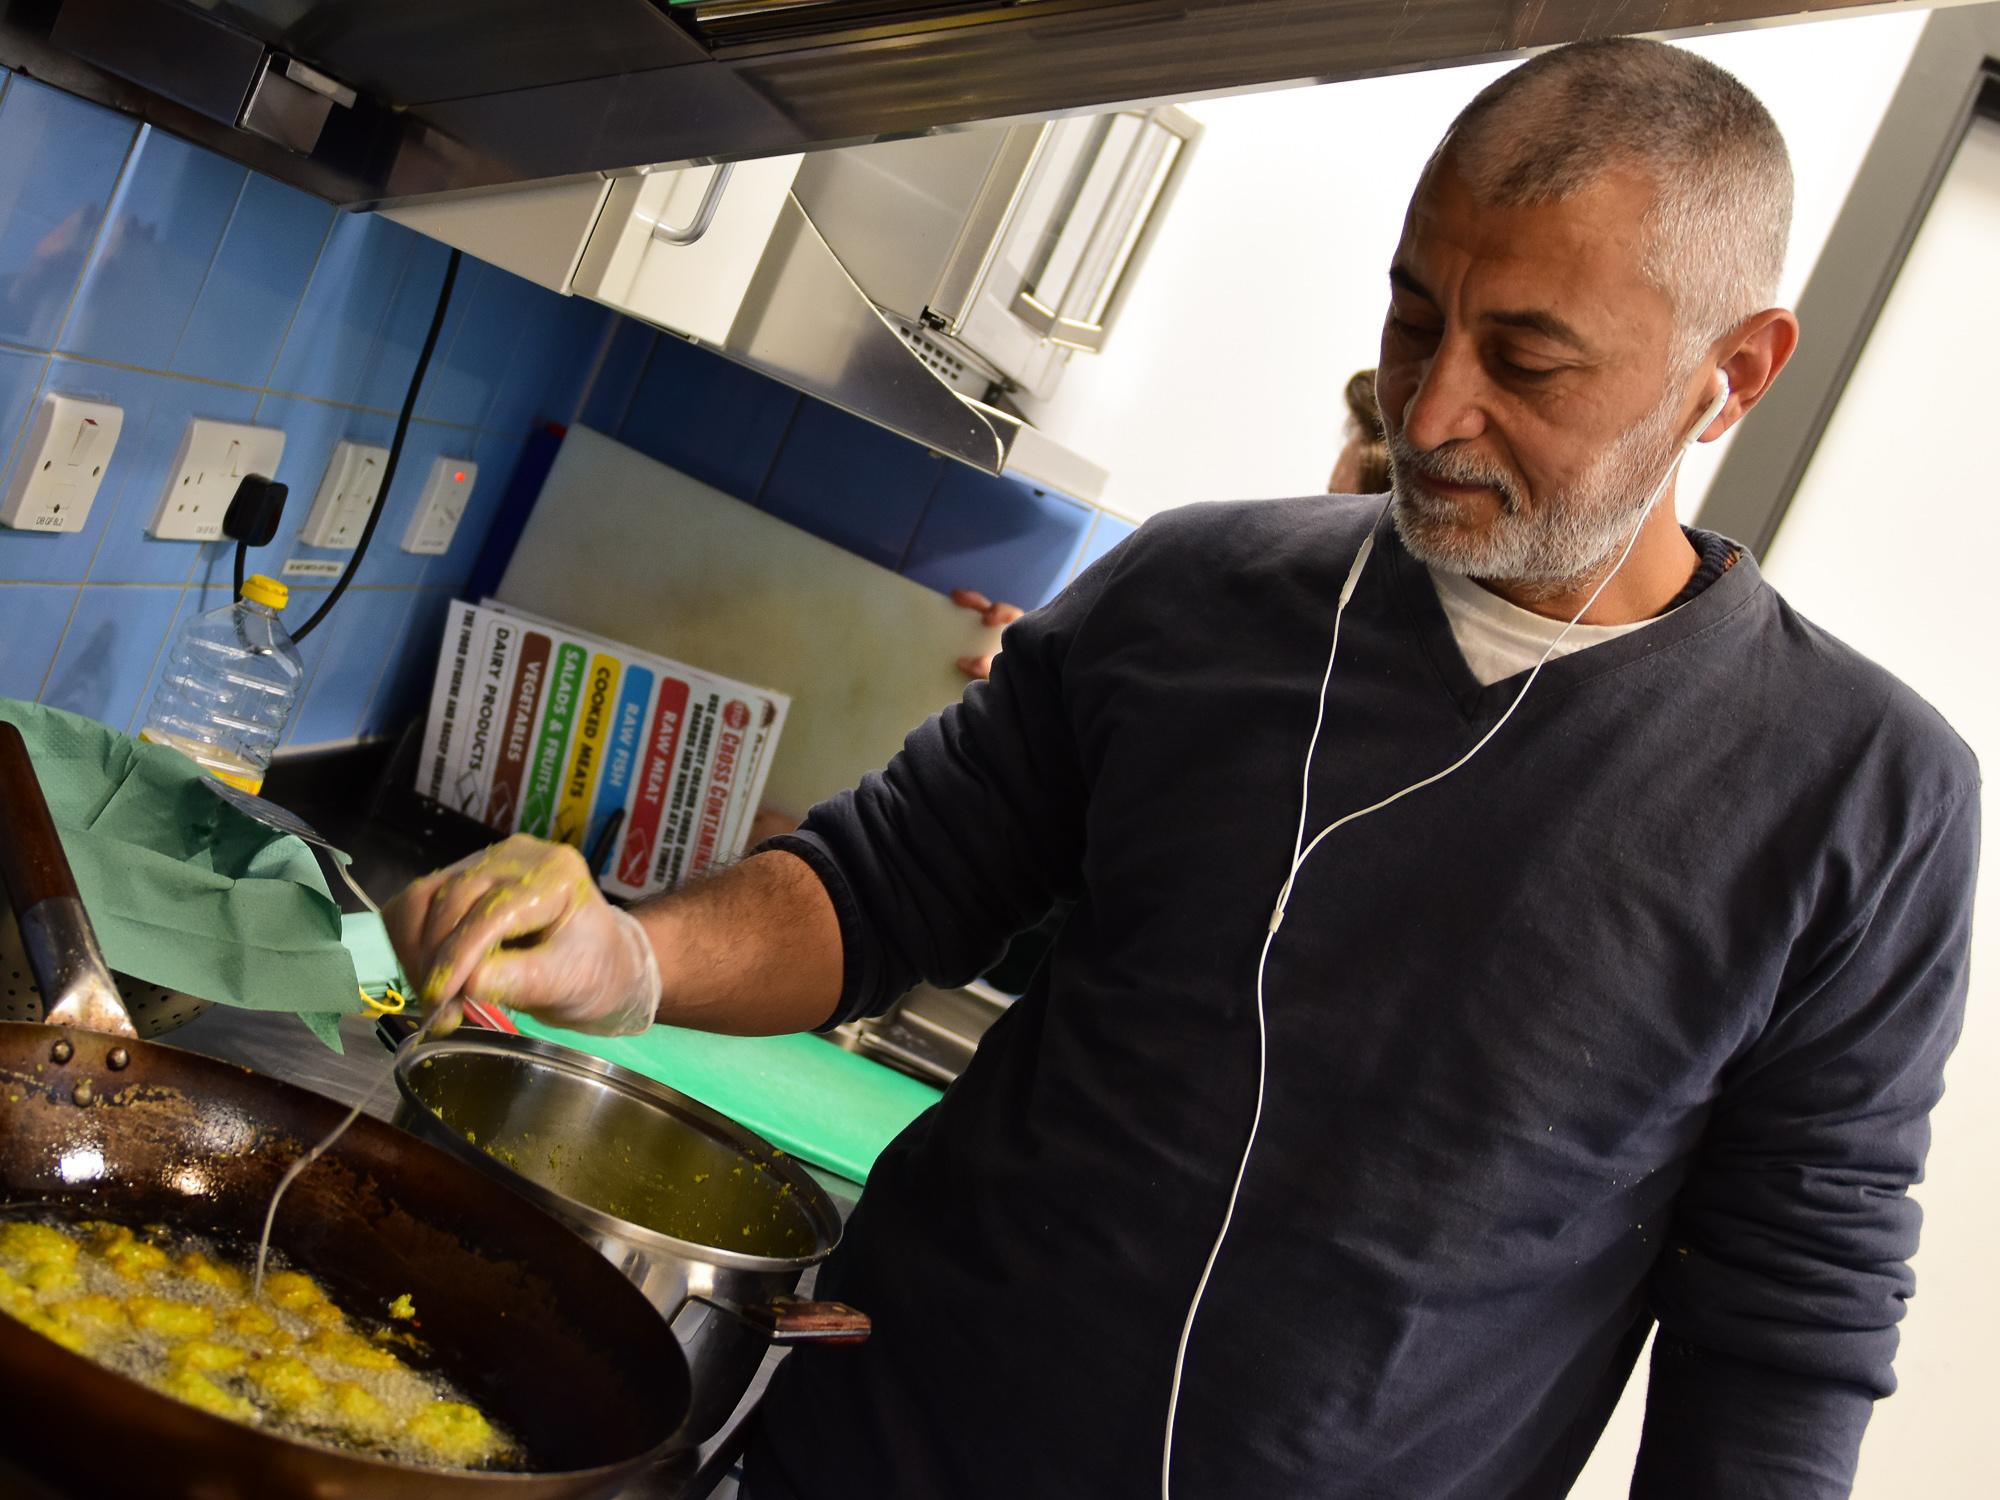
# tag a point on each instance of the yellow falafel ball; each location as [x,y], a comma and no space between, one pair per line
[209,1357]
[226,1278]
[24,1245]
[185,1383]
[16,1296]
[286,1381]
[169,1319]
[52,1278]
[299,1294]
[255,1325]
[133,1258]
[346,1348]
[453,1432]
[93,1314]
[359,1411]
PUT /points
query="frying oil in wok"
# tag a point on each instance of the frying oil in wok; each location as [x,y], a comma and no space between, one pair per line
[174,1313]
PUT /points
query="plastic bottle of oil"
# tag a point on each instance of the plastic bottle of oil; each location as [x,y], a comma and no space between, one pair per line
[230,686]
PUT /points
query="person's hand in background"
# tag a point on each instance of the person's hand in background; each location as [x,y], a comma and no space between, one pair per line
[771,821]
[522,924]
[979,668]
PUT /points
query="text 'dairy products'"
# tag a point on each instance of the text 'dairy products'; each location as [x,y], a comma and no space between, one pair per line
[538,728]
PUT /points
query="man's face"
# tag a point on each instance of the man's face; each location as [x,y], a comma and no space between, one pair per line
[1524,380]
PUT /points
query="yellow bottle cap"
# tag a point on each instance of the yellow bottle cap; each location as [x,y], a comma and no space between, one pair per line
[259,589]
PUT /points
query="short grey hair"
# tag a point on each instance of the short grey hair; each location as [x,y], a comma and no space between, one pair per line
[1716,233]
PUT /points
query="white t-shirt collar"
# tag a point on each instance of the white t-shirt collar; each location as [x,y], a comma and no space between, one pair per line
[1498,639]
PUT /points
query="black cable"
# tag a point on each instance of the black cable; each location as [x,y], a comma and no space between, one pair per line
[389,468]
[242,547]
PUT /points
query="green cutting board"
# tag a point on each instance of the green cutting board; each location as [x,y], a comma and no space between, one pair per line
[804,1095]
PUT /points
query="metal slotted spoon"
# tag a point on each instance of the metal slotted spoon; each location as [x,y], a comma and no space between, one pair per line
[155,1009]
[284,821]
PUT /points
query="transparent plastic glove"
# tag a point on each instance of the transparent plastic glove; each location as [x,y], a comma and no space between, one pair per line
[523,925]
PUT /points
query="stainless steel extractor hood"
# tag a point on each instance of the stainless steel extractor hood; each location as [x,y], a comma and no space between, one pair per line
[371,101]
[807,323]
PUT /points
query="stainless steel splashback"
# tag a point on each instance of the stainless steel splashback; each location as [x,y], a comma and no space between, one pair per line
[402,100]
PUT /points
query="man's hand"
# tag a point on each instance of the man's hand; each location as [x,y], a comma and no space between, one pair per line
[522,924]
[979,668]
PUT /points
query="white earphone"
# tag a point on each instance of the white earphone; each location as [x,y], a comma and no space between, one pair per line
[1302,851]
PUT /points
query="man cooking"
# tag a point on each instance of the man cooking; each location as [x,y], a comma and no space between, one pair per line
[1367,1173]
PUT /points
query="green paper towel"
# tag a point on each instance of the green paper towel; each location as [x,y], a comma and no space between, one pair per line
[367,943]
[184,890]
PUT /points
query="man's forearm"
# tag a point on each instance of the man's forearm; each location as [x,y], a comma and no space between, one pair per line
[1730,1428]
[754,951]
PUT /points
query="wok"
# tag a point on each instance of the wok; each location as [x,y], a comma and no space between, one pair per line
[526,1318]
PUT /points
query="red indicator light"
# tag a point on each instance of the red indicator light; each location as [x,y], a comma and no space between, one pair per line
[459,477]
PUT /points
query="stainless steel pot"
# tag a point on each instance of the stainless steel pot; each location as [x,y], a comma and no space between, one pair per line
[713,1223]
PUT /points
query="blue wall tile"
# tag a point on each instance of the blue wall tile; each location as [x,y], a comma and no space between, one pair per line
[1107,533]
[851,483]
[385,373]
[552,360]
[254,284]
[1004,537]
[707,417]
[531,465]
[32,617]
[59,162]
[298,609]
[362,634]
[618,376]
[108,653]
[475,345]
[330,351]
[404,691]
[165,223]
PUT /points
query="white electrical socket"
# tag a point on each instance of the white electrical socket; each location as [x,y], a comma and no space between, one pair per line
[62,463]
[213,459]
[446,492]
[348,492]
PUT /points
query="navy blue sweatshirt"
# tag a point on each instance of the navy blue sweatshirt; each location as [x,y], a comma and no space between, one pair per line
[1638,1016]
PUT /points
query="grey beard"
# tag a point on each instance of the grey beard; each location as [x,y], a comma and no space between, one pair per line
[1560,542]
